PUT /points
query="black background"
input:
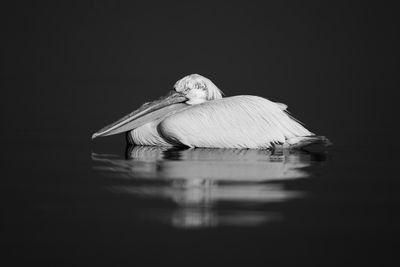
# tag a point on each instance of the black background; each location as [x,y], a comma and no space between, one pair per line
[69,68]
[75,67]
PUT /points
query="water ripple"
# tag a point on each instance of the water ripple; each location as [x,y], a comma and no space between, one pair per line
[208,187]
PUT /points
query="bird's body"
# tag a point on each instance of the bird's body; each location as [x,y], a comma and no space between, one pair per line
[208,120]
[232,122]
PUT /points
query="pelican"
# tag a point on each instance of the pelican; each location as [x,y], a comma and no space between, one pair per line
[195,114]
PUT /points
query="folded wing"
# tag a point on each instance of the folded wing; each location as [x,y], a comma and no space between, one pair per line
[233,122]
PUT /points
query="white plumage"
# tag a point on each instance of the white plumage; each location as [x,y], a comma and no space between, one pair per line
[208,120]
[233,122]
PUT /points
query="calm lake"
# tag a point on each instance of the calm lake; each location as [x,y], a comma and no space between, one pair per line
[70,202]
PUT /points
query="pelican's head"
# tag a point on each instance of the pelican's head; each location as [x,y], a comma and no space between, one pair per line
[197,89]
[190,90]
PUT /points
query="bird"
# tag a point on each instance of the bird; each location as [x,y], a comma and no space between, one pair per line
[196,115]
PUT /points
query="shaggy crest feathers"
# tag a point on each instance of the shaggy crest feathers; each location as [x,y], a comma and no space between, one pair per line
[196,81]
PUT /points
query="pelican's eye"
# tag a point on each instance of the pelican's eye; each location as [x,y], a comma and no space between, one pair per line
[200,86]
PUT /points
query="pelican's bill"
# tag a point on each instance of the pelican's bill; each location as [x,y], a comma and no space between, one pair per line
[147,112]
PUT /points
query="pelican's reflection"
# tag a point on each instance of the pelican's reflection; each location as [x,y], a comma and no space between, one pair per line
[209,186]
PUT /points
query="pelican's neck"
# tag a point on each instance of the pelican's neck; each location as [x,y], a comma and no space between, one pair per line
[195,101]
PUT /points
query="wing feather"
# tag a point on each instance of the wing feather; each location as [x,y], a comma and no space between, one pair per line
[234,122]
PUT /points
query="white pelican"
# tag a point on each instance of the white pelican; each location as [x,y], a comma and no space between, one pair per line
[195,114]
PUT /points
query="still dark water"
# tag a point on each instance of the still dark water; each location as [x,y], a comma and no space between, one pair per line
[70,202]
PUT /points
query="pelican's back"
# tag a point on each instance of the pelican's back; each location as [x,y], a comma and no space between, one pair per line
[232,122]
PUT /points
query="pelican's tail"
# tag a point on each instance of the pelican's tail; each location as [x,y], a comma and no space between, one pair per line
[303,141]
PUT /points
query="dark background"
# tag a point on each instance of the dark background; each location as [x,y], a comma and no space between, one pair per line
[69,68]
[75,67]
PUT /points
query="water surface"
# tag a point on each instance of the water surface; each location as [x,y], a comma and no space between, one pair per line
[70,202]
[208,187]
